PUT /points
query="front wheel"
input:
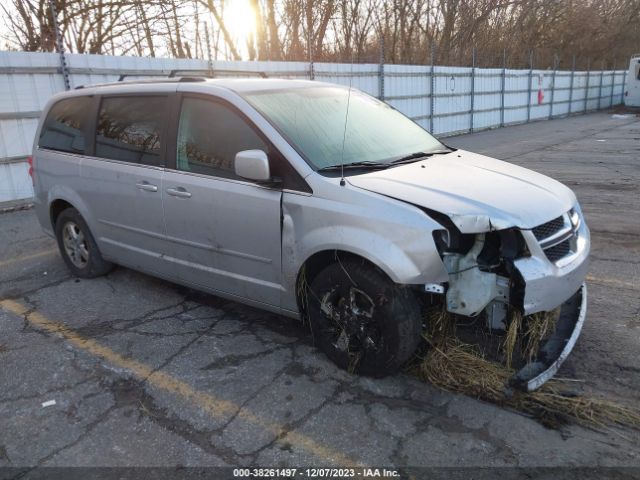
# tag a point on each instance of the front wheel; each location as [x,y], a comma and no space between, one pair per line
[361,319]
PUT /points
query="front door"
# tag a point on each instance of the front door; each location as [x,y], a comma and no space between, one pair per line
[224,231]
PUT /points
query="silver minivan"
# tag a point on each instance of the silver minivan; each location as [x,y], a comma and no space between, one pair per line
[311,200]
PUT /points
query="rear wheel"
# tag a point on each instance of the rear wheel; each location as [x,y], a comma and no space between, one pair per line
[362,320]
[77,246]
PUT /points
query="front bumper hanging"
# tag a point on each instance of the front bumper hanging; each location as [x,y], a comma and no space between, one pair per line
[557,347]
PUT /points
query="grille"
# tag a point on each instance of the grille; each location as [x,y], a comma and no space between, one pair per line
[558,251]
[547,229]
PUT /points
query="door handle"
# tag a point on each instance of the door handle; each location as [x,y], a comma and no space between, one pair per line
[147,187]
[178,192]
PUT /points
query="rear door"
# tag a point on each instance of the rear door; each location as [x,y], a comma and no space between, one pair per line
[122,181]
[61,148]
[224,230]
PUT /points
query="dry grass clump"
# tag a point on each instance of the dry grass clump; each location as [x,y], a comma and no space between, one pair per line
[538,327]
[460,367]
[511,338]
[526,334]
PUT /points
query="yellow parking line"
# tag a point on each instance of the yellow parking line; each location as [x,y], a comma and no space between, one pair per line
[613,282]
[28,257]
[212,405]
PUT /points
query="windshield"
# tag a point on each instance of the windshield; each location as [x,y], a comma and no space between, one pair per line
[313,120]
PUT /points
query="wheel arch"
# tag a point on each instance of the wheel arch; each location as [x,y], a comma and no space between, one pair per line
[62,197]
[56,208]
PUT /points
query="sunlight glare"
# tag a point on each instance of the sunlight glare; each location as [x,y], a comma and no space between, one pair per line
[239,19]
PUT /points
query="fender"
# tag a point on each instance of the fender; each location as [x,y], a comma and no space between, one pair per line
[402,245]
[63,192]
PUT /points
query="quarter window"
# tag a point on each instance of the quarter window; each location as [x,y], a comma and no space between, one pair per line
[63,129]
[130,129]
[209,136]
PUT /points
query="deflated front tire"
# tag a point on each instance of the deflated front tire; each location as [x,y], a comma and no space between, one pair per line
[361,319]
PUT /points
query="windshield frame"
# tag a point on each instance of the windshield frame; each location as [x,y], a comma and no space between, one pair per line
[352,171]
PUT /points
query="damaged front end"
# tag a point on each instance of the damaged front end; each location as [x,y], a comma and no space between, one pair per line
[499,273]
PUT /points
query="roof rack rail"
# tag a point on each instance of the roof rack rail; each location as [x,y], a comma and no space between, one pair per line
[175,75]
[164,79]
[212,73]
[200,73]
[172,74]
[125,75]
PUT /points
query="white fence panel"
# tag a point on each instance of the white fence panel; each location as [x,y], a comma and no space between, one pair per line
[408,89]
[361,76]
[444,100]
[15,183]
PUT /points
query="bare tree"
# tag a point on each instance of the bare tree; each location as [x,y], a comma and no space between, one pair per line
[337,30]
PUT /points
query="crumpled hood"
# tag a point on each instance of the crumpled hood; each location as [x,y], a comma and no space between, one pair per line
[478,193]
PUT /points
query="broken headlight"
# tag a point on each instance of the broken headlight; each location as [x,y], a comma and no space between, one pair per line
[450,240]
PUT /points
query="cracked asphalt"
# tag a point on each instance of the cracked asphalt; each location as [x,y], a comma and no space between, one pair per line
[147,373]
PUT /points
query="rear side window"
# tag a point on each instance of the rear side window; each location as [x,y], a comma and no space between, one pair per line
[209,136]
[130,129]
[63,129]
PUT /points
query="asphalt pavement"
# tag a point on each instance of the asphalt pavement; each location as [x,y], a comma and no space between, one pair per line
[141,372]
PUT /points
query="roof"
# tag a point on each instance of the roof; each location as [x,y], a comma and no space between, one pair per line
[260,84]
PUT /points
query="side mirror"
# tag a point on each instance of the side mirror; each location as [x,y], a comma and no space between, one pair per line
[252,165]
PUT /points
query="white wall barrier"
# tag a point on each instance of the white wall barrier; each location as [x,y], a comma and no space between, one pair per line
[444,100]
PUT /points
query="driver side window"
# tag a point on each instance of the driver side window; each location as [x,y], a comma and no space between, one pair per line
[209,136]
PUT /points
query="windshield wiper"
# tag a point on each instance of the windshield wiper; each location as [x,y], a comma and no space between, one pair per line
[346,166]
[418,155]
[368,164]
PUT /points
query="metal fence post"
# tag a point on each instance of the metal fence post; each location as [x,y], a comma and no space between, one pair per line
[600,86]
[586,93]
[473,86]
[432,96]
[573,72]
[553,85]
[208,41]
[624,83]
[502,86]
[312,74]
[59,46]
[381,69]
[529,89]
[613,82]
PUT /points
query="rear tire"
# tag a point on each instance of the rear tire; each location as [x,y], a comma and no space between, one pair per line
[364,322]
[78,247]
